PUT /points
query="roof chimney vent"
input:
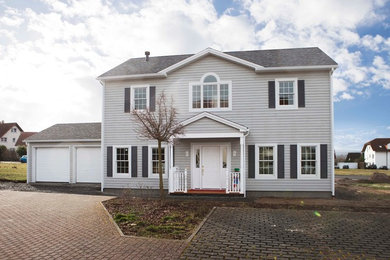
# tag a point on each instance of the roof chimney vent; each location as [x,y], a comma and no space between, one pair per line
[147,53]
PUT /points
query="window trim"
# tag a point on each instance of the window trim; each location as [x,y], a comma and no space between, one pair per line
[201,84]
[150,161]
[115,174]
[309,177]
[295,88]
[132,96]
[275,154]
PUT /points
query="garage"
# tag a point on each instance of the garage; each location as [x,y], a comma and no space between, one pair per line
[52,164]
[67,153]
[88,164]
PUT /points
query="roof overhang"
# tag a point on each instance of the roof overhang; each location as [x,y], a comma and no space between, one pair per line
[216,118]
[62,141]
[297,68]
[135,76]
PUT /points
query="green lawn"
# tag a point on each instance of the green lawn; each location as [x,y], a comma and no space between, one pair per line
[13,172]
[359,171]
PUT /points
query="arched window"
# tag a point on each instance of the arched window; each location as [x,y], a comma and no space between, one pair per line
[210,93]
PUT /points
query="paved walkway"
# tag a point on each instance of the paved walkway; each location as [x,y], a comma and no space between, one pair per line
[248,233]
[36,225]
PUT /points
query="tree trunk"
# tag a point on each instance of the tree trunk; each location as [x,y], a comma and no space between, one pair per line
[160,171]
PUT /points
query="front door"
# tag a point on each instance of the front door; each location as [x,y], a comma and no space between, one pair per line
[210,162]
[211,177]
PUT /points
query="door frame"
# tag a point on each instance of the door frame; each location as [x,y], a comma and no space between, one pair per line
[194,174]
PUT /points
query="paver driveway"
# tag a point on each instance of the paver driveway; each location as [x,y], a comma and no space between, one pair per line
[244,233]
[37,225]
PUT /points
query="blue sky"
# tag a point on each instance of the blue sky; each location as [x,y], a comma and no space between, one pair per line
[51,51]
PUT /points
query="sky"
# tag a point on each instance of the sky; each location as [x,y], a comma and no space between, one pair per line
[52,51]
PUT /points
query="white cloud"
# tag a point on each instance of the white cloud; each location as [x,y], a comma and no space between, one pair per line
[51,58]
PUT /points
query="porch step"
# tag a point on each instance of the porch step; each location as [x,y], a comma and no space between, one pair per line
[208,193]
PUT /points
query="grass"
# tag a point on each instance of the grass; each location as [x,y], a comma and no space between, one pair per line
[16,172]
[365,172]
[376,186]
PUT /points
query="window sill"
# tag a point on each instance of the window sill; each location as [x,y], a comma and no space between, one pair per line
[271,177]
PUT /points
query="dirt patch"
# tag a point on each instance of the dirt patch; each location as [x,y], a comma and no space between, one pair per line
[173,219]
[362,190]
[378,177]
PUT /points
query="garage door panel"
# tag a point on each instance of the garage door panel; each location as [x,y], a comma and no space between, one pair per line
[52,164]
[88,164]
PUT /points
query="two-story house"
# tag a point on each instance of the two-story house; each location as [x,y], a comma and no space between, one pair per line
[255,123]
[9,134]
[377,152]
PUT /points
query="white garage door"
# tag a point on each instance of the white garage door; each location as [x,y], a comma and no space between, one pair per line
[88,164]
[52,164]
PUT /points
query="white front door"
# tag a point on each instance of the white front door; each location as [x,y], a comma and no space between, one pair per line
[210,162]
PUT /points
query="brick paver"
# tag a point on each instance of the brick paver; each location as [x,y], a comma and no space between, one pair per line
[245,233]
[37,225]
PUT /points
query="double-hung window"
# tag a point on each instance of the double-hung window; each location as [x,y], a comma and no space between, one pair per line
[266,161]
[210,94]
[154,167]
[4,139]
[121,162]
[286,93]
[139,97]
[308,164]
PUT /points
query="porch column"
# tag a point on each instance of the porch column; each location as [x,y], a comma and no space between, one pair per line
[242,165]
[170,165]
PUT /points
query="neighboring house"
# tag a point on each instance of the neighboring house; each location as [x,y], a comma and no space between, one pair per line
[22,137]
[377,151]
[353,157]
[255,123]
[65,153]
[9,134]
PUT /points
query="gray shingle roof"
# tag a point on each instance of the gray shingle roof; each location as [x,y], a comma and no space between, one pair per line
[78,131]
[267,58]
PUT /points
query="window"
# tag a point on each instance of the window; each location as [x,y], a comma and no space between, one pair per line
[4,139]
[308,161]
[13,130]
[286,93]
[154,161]
[139,97]
[197,158]
[13,140]
[122,162]
[210,94]
[266,161]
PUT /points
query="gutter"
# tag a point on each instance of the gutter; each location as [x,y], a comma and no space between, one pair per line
[295,68]
[135,76]
[62,140]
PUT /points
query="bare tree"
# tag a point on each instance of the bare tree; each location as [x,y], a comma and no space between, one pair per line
[161,125]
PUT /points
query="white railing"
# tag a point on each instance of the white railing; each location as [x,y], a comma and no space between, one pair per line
[179,180]
[233,182]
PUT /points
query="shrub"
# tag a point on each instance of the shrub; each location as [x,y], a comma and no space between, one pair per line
[9,155]
[383,168]
[371,166]
[21,150]
[345,167]
[2,150]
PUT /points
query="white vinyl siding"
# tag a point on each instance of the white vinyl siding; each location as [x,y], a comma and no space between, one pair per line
[249,108]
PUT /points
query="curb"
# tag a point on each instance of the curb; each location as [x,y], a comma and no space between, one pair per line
[112,220]
[188,240]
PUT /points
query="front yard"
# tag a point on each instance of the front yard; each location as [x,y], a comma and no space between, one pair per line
[361,172]
[13,171]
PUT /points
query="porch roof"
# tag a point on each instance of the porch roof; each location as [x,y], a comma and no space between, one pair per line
[207,125]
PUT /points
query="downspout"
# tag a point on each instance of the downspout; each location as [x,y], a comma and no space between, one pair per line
[332,131]
[102,138]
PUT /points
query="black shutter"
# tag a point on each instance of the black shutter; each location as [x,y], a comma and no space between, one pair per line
[301,93]
[324,161]
[145,161]
[271,94]
[109,161]
[251,161]
[134,161]
[152,98]
[127,100]
[173,155]
[293,161]
[280,161]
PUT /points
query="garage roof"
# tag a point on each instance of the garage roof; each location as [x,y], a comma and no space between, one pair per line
[68,132]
